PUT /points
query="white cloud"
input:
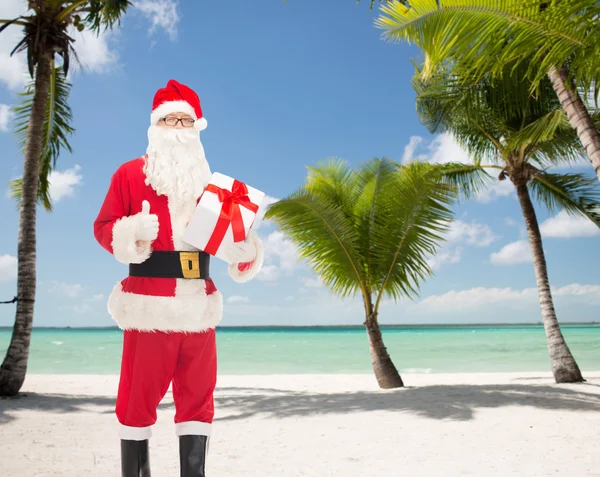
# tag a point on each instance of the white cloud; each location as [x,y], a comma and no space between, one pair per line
[93,52]
[461,233]
[280,257]
[473,233]
[443,148]
[564,225]
[13,70]
[71,290]
[260,216]
[268,273]
[409,149]
[62,184]
[511,222]
[482,298]
[8,268]
[6,115]
[87,306]
[312,282]
[238,299]
[161,14]
[512,253]
[498,189]
[445,256]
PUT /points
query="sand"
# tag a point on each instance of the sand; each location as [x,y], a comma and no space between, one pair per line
[323,425]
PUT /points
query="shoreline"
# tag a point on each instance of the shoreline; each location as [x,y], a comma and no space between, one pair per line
[438,425]
[336,327]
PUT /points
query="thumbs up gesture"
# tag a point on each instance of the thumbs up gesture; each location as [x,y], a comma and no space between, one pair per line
[147,225]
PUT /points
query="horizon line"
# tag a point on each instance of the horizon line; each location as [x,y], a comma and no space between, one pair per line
[359,326]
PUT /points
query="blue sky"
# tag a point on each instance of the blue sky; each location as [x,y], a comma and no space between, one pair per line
[283,86]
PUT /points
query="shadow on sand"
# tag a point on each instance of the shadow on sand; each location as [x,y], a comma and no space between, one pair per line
[454,402]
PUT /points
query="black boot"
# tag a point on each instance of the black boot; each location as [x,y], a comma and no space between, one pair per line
[192,455]
[135,460]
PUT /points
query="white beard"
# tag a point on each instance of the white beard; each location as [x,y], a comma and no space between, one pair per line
[175,164]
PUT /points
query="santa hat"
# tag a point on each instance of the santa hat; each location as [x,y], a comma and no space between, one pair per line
[177,98]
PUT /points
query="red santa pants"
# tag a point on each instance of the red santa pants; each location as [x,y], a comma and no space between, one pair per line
[151,361]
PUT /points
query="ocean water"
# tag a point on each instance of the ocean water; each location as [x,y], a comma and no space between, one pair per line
[463,349]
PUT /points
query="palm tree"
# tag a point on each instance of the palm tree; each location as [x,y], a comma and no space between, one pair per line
[554,39]
[45,36]
[368,231]
[505,128]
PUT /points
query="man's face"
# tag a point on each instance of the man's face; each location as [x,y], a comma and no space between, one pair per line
[176,121]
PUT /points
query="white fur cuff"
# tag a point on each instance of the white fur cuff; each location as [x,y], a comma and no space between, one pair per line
[242,277]
[124,242]
[130,433]
[193,428]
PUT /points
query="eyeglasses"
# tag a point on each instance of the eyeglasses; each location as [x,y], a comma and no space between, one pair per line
[185,122]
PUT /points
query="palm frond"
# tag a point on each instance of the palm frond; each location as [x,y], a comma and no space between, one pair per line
[479,36]
[469,180]
[577,194]
[498,120]
[371,207]
[57,128]
[325,237]
[379,240]
[333,181]
[103,14]
[419,200]
[539,130]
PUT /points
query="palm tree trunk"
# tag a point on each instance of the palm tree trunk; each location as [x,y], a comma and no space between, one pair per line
[385,372]
[14,367]
[578,115]
[563,363]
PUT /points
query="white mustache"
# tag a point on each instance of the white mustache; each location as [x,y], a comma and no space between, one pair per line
[182,136]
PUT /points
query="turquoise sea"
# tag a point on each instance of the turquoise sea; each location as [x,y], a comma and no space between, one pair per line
[461,349]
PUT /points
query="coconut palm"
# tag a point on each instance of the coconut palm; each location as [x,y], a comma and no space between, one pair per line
[368,231]
[521,137]
[554,39]
[45,37]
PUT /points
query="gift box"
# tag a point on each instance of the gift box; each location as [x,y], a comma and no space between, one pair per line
[225,214]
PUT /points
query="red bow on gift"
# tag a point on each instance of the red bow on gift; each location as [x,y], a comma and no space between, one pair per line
[230,214]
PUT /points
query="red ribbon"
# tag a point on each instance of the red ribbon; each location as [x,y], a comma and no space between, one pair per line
[230,214]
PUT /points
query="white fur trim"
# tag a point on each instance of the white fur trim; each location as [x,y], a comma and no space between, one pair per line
[129,433]
[193,428]
[200,124]
[172,107]
[123,242]
[186,312]
[242,277]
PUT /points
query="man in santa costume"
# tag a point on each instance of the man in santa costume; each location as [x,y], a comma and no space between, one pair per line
[168,306]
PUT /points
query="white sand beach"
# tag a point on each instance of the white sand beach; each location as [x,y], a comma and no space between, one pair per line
[322,425]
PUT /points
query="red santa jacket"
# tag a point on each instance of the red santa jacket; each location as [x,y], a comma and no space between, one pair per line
[166,304]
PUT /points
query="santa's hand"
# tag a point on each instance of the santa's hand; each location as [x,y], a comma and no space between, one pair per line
[239,252]
[147,224]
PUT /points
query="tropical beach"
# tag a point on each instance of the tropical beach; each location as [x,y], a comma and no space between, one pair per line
[311,406]
[519,424]
[308,239]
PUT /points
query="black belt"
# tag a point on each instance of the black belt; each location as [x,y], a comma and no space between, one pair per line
[173,264]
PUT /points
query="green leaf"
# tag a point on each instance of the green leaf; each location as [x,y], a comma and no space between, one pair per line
[57,128]
[369,229]
[577,194]
[477,37]
[103,14]
[498,121]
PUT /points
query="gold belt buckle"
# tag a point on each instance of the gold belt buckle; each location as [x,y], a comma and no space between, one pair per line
[190,264]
